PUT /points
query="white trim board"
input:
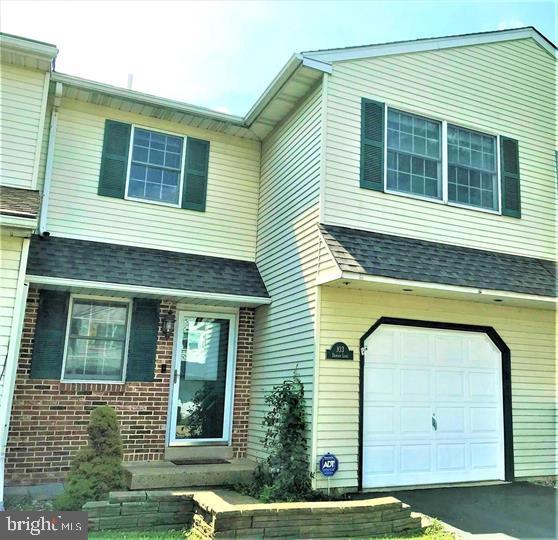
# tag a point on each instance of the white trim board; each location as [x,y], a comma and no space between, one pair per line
[429,44]
[148,291]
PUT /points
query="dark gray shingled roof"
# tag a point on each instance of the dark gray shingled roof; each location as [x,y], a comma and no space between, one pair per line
[114,263]
[418,260]
[19,202]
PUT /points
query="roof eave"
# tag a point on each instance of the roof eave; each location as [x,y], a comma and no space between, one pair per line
[429,44]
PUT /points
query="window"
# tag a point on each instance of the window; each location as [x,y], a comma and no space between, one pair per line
[96,340]
[155,166]
[413,155]
[472,178]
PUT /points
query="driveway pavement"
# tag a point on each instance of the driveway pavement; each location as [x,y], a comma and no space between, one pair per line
[517,510]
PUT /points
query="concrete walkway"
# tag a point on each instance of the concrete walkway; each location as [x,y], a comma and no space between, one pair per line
[518,510]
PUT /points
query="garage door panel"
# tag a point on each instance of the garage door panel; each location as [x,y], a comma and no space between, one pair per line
[432,408]
[415,383]
[416,458]
[450,420]
[451,457]
[450,385]
[416,420]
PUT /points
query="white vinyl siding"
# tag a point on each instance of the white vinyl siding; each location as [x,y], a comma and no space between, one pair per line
[499,89]
[346,314]
[226,229]
[10,255]
[22,109]
[287,258]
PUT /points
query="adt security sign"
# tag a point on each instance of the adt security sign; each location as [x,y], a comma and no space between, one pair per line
[329,465]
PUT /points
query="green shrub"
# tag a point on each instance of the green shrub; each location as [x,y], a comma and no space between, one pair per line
[285,473]
[97,468]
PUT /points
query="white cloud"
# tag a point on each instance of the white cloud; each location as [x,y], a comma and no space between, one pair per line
[512,22]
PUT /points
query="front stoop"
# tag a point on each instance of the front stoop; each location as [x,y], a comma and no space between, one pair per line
[165,475]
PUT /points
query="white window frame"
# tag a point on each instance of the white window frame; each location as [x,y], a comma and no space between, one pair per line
[180,176]
[126,341]
[444,163]
[233,318]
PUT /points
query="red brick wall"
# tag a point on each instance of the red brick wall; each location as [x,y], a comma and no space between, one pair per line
[49,417]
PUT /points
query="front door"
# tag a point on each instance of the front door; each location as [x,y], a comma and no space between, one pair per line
[202,378]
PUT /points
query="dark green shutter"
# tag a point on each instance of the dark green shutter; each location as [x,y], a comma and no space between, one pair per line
[114,162]
[50,335]
[195,174]
[143,340]
[509,173]
[372,145]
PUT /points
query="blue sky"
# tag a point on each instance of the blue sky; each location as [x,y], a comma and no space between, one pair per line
[222,55]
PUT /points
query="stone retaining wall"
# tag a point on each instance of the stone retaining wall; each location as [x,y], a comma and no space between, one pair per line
[151,510]
[344,519]
[217,514]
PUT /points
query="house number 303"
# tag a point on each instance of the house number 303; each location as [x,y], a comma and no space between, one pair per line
[339,351]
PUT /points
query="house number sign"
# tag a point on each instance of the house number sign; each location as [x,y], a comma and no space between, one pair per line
[339,351]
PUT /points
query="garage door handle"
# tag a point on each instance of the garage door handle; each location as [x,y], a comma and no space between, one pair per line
[434,423]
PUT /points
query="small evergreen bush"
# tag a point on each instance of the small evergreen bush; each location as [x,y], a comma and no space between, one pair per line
[285,473]
[97,468]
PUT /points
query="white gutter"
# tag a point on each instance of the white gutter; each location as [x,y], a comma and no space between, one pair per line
[10,368]
[147,99]
[153,291]
[430,286]
[18,222]
[20,45]
[50,159]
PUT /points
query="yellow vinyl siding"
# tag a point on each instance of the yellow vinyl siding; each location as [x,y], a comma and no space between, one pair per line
[21,113]
[502,88]
[226,229]
[10,255]
[530,334]
[287,258]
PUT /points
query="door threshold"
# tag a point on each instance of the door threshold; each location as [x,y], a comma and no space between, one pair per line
[435,486]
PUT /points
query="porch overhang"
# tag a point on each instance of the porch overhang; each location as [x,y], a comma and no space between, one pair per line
[98,268]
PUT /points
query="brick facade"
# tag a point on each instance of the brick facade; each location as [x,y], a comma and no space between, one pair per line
[49,417]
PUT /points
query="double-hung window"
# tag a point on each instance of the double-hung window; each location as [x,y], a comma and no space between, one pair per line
[472,176]
[96,340]
[414,155]
[155,166]
[433,159]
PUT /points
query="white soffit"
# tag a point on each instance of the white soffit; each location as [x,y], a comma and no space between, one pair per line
[27,53]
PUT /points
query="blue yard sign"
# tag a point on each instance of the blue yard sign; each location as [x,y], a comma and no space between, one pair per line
[329,465]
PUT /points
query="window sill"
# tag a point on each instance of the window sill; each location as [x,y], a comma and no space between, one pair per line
[156,203]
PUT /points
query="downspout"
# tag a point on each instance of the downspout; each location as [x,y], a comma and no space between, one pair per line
[49,160]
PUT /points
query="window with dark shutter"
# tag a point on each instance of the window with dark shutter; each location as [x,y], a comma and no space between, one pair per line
[114,161]
[509,174]
[195,174]
[142,347]
[50,333]
[372,145]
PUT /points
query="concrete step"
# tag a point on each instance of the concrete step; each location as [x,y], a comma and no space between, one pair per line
[164,474]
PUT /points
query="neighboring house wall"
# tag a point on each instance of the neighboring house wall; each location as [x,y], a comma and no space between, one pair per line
[346,314]
[502,88]
[49,417]
[10,256]
[22,112]
[227,228]
[287,258]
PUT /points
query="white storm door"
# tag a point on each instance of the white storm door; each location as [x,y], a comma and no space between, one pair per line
[202,381]
[432,407]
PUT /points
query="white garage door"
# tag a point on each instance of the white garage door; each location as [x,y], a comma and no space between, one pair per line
[432,407]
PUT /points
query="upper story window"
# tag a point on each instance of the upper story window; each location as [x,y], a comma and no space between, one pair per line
[433,160]
[472,176]
[150,166]
[413,155]
[96,340]
[156,166]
